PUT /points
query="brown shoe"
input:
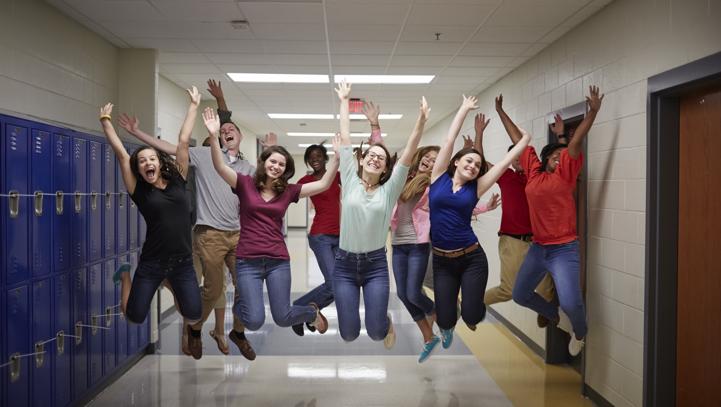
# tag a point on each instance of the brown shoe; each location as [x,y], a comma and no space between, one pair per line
[320,323]
[541,321]
[243,345]
[195,345]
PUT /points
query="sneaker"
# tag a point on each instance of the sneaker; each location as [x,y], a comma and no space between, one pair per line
[472,327]
[446,338]
[541,321]
[390,338]
[195,344]
[298,329]
[310,327]
[428,348]
[575,345]
[320,323]
[243,345]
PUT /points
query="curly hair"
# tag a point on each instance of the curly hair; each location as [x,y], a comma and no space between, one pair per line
[168,166]
[390,162]
[281,183]
[315,147]
[464,151]
[546,153]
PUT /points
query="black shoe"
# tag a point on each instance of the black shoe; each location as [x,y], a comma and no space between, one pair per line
[310,327]
[298,329]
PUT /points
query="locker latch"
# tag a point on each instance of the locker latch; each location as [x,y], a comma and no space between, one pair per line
[38,199]
[108,319]
[93,200]
[108,204]
[14,204]
[78,333]
[78,202]
[59,202]
[94,323]
[60,342]
[39,354]
[14,367]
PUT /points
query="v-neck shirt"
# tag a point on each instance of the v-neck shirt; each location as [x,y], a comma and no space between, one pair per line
[451,213]
[262,221]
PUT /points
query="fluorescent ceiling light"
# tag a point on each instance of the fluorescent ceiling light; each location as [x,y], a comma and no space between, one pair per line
[381,116]
[328,135]
[384,79]
[278,78]
[326,145]
[319,116]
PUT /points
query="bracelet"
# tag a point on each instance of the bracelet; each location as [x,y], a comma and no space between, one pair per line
[375,125]
[105,116]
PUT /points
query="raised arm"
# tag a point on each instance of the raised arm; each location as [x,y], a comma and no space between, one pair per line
[131,124]
[212,123]
[415,138]
[343,91]
[216,91]
[513,132]
[444,155]
[558,128]
[372,111]
[316,187]
[593,101]
[182,156]
[120,152]
[479,125]
[495,172]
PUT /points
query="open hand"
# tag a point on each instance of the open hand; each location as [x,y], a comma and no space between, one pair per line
[557,127]
[131,124]
[499,103]
[106,110]
[469,102]
[212,122]
[594,100]
[336,144]
[494,202]
[270,139]
[480,123]
[214,89]
[194,96]
[343,90]
[371,111]
[425,111]
[467,141]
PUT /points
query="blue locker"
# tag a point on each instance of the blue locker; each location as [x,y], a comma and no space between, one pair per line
[62,317]
[42,330]
[95,317]
[41,149]
[3,305]
[61,221]
[132,328]
[15,229]
[110,201]
[18,342]
[121,329]
[122,208]
[95,202]
[109,307]
[80,316]
[79,204]
[132,214]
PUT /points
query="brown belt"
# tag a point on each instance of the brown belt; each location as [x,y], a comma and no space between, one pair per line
[525,238]
[457,253]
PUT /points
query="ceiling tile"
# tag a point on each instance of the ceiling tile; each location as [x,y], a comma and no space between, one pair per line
[104,10]
[428,48]
[427,33]
[361,47]
[193,10]
[364,32]
[494,49]
[512,34]
[289,32]
[357,13]
[492,62]
[165,44]
[282,12]
[528,13]
[182,58]
[441,14]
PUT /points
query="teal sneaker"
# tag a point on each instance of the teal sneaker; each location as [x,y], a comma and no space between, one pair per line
[446,338]
[428,348]
[123,268]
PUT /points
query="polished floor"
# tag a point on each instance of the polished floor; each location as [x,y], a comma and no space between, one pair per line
[488,367]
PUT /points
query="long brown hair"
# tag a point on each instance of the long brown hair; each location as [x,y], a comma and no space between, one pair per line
[417,183]
[464,151]
[390,162]
[168,166]
[281,183]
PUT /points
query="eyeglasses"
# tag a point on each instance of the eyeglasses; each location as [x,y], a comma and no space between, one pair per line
[373,156]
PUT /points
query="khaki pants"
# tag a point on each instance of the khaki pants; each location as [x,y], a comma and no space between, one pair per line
[512,252]
[214,250]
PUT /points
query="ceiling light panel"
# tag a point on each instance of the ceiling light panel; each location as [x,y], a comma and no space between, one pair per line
[278,78]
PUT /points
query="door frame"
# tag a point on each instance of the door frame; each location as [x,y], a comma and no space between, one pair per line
[663,110]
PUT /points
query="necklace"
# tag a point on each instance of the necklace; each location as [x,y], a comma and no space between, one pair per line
[369,186]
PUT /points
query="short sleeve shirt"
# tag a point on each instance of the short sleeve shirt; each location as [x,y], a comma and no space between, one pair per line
[327,208]
[515,218]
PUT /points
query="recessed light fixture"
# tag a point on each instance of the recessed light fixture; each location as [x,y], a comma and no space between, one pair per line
[384,79]
[278,78]
[323,116]
[327,135]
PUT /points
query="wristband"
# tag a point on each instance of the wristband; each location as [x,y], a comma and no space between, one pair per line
[105,116]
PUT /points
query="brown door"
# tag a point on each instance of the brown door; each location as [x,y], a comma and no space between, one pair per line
[698,345]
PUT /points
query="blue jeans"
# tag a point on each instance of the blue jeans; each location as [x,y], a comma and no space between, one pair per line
[249,305]
[324,247]
[468,274]
[369,271]
[179,272]
[562,262]
[409,269]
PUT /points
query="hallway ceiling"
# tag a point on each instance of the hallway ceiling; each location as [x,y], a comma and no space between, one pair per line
[480,42]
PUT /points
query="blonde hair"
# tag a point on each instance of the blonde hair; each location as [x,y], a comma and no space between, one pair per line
[415,186]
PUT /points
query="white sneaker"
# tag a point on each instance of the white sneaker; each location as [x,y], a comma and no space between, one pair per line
[390,338]
[575,345]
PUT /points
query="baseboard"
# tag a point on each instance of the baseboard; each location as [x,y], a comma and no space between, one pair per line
[110,379]
[595,397]
[167,313]
[518,333]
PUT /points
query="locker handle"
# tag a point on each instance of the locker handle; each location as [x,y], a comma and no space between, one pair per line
[59,202]
[38,198]
[121,203]
[14,197]
[39,354]
[108,319]
[78,333]
[93,200]
[108,203]
[14,367]
[94,322]
[78,202]
[60,342]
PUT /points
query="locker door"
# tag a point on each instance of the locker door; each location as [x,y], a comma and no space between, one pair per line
[41,161]
[15,229]
[80,213]
[132,215]
[110,201]
[133,329]
[42,330]
[95,202]
[62,317]
[18,342]
[122,208]
[95,337]
[80,316]
[121,329]
[61,221]
[109,302]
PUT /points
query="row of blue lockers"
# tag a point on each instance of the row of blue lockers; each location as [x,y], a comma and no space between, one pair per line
[67,223]
[64,203]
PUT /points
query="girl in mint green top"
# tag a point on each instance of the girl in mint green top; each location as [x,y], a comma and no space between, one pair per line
[370,191]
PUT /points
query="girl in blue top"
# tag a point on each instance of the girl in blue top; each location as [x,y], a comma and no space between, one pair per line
[459,262]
